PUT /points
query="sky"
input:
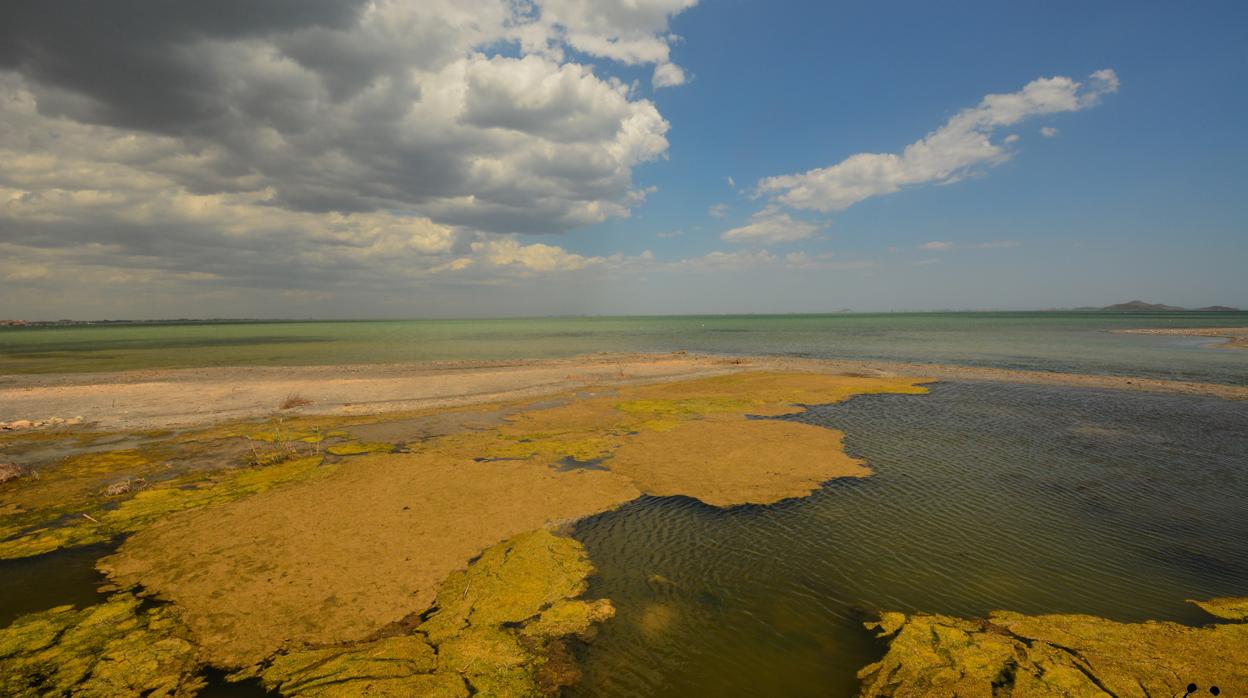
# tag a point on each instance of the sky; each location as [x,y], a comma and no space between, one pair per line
[436,158]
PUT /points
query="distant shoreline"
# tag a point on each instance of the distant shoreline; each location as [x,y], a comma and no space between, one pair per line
[1142,312]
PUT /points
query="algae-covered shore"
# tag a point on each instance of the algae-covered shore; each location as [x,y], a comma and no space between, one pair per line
[299,551]
[415,551]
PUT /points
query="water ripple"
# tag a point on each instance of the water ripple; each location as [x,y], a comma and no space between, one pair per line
[985,496]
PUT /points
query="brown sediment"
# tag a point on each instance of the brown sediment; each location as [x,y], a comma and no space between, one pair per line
[1236,337]
[334,560]
[1011,654]
[791,460]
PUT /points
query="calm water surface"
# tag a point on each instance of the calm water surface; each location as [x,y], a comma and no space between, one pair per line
[1027,498]
[1079,342]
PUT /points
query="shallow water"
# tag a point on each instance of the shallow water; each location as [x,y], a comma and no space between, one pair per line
[1071,342]
[1028,498]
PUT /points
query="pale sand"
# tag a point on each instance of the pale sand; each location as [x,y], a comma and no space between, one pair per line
[163,398]
[1236,337]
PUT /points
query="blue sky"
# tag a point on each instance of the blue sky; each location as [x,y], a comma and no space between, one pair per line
[1150,183]
[575,158]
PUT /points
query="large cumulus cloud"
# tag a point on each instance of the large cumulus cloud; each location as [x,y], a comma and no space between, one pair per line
[197,137]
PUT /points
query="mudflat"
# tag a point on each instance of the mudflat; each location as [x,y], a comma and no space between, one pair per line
[164,398]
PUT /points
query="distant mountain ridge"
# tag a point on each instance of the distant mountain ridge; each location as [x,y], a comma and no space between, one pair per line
[1138,305]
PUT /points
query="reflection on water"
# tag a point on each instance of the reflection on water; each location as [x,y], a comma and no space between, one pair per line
[1028,498]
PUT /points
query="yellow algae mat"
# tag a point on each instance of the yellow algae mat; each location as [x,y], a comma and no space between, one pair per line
[336,559]
[322,576]
[327,565]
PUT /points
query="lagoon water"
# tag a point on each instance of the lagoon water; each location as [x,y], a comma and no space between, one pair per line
[1074,342]
[985,495]
[1027,498]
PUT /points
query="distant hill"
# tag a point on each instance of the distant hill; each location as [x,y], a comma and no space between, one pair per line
[1139,305]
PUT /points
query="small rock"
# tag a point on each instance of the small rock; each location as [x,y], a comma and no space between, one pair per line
[19,424]
[125,487]
[9,471]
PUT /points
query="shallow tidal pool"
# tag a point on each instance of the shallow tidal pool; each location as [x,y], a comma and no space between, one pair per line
[985,496]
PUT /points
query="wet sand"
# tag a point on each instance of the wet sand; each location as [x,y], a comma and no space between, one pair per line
[164,398]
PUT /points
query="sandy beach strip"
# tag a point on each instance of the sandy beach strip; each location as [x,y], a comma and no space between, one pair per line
[163,398]
[1236,336]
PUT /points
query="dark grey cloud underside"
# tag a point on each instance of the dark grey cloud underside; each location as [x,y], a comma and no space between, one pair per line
[131,63]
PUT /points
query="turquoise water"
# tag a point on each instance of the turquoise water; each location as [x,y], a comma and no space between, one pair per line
[1073,342]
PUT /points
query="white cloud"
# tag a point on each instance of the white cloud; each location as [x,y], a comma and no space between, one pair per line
[667,75]
[629,31]
[997,244]
[718,260]
[732,183]
[669,234]
[945,155]
[1012,138]
[772,226]
[740,260]
[937,245]
[534,257]
[718,210]
[382,141]
[1048,131]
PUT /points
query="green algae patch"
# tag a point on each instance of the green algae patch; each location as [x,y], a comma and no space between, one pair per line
[510,583]
[552,447]
[155,503]
[84,476]
[729,462]
[1227,608]
[115,648]
[501,622]
[392,666]
[756,393]
[498,630]
[570,618]
[356,448]
[1010,654]
[336,560]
